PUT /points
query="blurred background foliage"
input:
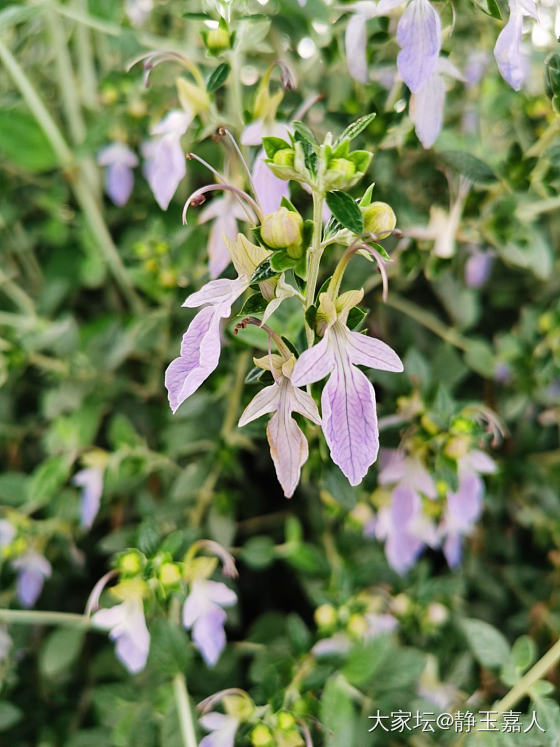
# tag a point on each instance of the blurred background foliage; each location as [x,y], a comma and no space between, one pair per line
[81,372]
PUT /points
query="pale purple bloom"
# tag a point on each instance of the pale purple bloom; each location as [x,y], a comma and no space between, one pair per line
[138,11]
[201,344]
[378,624]
[339,643]
[288,445]
[32,569]
[165,161]
[269,188]
[127,627]
[224,212]
[223,729]
[349,418]
[475,67]
[511,63]
[502,373]
[419,36]
[356,39]
[118,160]
[477,269]
[465,505]
[203,613]
[427,103]
[91,482]
[7,532]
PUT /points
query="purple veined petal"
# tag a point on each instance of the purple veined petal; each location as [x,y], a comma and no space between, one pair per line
[349,421]
[477,269]
[119,181]
[303,403]
[355,42]
[128,629]
[507,51]
[452,549]
[264,402]
[219,593]
[196,605]
[220,293]
[419,36]
[368,351]
[426,110]
[200,353]
[288,445]
[386,6]
[218,253]
[402,550]
[314,364]
[478,461]
[209,636]
[91,482]
[405,506]
[269,188]
[164,168]
[223,730]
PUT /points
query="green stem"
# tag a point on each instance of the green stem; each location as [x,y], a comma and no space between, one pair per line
[428,320]
[548,137]
[184,710]
[235,395]
[78,181]
[314,259]
[338,274]
[534,674]
[86,63]
[38,617]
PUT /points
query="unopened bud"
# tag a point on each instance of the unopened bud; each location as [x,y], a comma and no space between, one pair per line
[261,736]
[282,229]
[284,157]
[437,613]
[193,98]
[343,168]
[325,616]
[457,447]
[169,574]
[217,40]
[130,563]
[379,219]
[357,625]
[285,720]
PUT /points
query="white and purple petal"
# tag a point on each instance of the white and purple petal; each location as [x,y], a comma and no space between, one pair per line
[419,36]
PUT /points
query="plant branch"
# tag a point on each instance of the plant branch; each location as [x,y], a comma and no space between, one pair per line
[184,710]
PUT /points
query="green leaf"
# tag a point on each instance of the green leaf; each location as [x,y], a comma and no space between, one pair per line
[255,304]
[169,649]
[60,650]
[355,317]
[311,316]
[9,715]
[470,166]
[354,129]
[273,144]
[345,210]
[337,714]
[479,356]
[304,132]
[23,143]
[12,14]
[366,659]
[218,77]
[490,7]
[340,490]
[281,261]
[48,478]
[488,645]
[258,552]
[524,652]
[263,272]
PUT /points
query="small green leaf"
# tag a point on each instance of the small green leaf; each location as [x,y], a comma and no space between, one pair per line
[255,304]
[218,77]
[60,650]
[9,715]
[490,7]
[263,272]
[311,316]
[470,166]
[354,129]
[345,210]
[304,132]
[273,144]
[258,552]
[48,478]
[281,261]
[524,652]
[23,143]
[355,317]
[337,714]
[488,645]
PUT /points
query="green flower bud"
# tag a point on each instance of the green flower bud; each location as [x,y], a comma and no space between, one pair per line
[325,616]
[342,168]
[217,40]
[169,574]
[457,447]
[357,624]
[285,720]
[282,229]
[261,736]
[379,219]
[130,563]
[284,157]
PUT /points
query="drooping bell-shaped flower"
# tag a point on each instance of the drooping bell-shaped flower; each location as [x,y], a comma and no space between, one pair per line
[91,482]
[222,727]
[118,160]
[32,568]
[224,212]
[427,103]
[419,37]
[164,158]
[507,51]
[349,418]
[464,506]
[355,39]
[288,445]
[127,627]
[201,344]
[203,612]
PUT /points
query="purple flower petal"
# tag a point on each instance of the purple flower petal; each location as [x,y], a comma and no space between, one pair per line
[223,730]
[477,269]
[368,351]
[313,364]
[507,51]
[32,569]
[269,187]
[91,482]
[209,635]
[127,627]
[426,110]
[419,36]
[355,43]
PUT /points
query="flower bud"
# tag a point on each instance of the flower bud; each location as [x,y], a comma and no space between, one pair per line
[283,229]
[342,169]
[325,616]
[357,624]
[192,97]
[284,157]
[261,736]
[217,40]
[457,447]
[130,563]
[379,219]
[437,613]
[169,574]
[285,720]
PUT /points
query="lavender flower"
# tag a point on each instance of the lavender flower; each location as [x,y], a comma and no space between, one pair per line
[269,188]
[165,161]
[465,505]
[356,39]
[203,613]
[427,103]
[224,212]
[138,11]
[118,160]
[127,627]
[33,569]
[349,418]
[91,482]
[201,344]
[288,445]
[507,51]
[223,729]
[477,268]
